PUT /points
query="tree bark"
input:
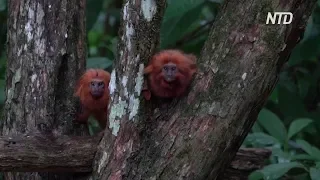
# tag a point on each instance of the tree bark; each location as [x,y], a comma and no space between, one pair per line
[46,54]
[245,162]
[197,136]
[139,38]
[46,153]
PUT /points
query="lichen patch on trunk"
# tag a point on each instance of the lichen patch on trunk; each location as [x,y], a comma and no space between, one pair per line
[117,111]
[139,80]
[112,84]
[244,75]
[149,9]
[134,103]
[103,160]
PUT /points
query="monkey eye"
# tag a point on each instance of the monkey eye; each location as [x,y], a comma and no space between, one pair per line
[100,83]
[92,83]
[165,68]
[173,68]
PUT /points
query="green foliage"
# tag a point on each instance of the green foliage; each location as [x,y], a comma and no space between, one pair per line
[273,125]
[297,125]
[275,171]
[176,21]
[3,5]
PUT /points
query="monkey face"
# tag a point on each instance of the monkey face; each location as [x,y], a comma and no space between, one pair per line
[97,88]
[169,72]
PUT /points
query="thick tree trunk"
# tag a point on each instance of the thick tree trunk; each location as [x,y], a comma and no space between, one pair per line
[139,38]
[195,137]
[46,54]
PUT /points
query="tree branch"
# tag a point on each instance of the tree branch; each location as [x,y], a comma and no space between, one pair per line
[46,153]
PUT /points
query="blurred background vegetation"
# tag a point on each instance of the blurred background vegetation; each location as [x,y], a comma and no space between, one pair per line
[289,123]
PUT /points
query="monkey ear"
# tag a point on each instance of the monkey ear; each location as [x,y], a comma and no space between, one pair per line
[148,69]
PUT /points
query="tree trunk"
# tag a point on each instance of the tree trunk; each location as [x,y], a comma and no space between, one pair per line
[139,38]
[195,137]
[46,54]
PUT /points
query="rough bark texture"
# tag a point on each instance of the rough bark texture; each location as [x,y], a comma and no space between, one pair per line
[46,153]
[75,154]
[139,38]
[46,54]
[197,136]
[246,161]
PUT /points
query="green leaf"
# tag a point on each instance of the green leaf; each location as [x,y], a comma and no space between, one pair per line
[274,171]
[273,125]
[314,174]
[3,5]
[94,37]
[302,157]
[281,155]
[179,8]
[260,138]
[256,128]
[178,19]
[311,150]
[93,126]
[297,125]
[98,62]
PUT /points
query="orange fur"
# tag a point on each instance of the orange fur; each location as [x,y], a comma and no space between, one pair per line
[186,64]
[90,106]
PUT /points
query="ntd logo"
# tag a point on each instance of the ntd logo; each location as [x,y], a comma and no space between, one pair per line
[282,17]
